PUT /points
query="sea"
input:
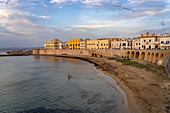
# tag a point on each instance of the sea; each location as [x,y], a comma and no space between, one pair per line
[40,84]
[7,49]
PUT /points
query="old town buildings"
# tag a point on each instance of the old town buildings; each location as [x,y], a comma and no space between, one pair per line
[53,44]
[98,44]
[145,41]
[74,43]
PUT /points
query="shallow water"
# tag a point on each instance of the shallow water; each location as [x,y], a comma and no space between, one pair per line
[29,82]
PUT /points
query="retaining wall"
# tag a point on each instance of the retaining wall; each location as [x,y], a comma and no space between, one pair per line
[159,57]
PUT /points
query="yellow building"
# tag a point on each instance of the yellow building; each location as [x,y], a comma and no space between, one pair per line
[53,44]
[98,44]
[74,43]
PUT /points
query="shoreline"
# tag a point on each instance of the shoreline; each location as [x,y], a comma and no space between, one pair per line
[122,103]
[143,88]
[120,87]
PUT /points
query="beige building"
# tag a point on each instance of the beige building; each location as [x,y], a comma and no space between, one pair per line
[136,43]
[82,45]
[98,44]
[121,43]
[67,45]
[115,43]
[53,44]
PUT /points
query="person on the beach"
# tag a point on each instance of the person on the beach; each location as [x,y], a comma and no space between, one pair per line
[68,76]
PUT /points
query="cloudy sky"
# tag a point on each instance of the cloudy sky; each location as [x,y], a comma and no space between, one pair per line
[32,22]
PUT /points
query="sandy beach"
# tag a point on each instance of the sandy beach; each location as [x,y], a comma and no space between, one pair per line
[146,92]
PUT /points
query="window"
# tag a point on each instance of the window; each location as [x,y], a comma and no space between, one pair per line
[149,40]
[104,44]
[78,44]
[167,42]
[124,44]
[162,42]
[70,44]
[144,40]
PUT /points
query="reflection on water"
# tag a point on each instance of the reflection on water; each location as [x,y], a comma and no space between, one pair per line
[28,82]
[52,59]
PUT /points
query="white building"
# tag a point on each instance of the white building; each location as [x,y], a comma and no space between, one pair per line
[165,42]
[62,45]
[120,43]
[149,41]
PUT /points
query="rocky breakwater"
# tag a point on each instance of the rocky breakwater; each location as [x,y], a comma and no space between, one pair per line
[20,52]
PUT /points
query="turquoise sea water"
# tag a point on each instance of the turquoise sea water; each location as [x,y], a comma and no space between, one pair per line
[30,82]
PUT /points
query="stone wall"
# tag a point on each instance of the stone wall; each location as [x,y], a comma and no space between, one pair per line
[60,52]
[154,56]
[107,52]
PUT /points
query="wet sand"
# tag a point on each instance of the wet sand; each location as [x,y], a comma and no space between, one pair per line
[146,92]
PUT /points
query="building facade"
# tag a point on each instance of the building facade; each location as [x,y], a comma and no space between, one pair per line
[136,43]
[67,45]
[82,45]
[115,43]
[98,44]
[121,43]
[149,41]
[165,42]
[62,45]
[74,43]
[53,44]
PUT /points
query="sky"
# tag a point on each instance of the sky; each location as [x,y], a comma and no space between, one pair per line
[29,23]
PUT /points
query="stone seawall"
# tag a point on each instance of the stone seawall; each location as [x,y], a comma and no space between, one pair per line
[108,53]
[60,52]
[159,57]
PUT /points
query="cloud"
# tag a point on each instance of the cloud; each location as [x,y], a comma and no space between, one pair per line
[162,23]
[91,26]
[9,3]
[59,1]
[165,20]
[136,8]
[44,17]
[106,4]
[147,8]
